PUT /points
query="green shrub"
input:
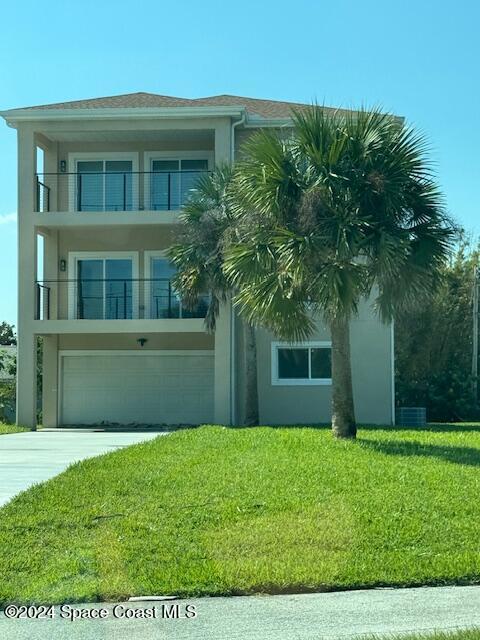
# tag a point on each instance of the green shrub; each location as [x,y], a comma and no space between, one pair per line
[433,346]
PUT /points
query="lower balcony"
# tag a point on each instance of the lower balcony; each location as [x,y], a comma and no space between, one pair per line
[96,305]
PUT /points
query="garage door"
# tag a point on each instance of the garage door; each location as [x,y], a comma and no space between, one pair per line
[143,388]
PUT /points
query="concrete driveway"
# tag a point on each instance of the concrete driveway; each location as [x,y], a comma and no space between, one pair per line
[35,456]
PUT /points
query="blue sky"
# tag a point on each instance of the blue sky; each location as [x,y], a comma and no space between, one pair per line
[419,59]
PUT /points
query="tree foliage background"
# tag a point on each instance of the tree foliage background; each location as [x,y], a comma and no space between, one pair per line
[8,367]
[433,345]
[7,334]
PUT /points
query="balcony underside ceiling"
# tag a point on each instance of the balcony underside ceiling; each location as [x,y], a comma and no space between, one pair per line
[200,136]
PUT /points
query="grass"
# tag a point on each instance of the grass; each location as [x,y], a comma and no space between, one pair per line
[214,511]
[10,428]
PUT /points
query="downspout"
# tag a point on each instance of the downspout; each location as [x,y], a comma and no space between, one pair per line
[232,137]
[232,312]
[392,356]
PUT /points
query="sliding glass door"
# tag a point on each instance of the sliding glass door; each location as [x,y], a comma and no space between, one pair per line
[104,185]
[172,181]
[104,289]
[165,302]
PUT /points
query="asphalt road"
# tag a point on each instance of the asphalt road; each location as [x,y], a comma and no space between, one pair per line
[296,617]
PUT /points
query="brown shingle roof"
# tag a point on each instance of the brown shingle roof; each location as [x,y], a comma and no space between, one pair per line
[255,106]
[262,108]
[124,101]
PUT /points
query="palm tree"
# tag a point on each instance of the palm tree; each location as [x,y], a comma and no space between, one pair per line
[346,209]
[208,228]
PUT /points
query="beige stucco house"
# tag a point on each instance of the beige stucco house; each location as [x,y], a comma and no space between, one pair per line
[101,183]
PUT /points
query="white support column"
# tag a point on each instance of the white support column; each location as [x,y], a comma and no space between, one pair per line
[51,177]
[224,332]
[50,270]
[27,256]
[50,381]
[223,133]
[50,343]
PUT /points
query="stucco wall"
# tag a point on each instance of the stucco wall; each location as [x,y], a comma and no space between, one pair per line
[242,135]
[371,372]
[371,341]
[162,341]
[57,138]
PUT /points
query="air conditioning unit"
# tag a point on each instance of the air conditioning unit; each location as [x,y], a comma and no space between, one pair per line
[411,417]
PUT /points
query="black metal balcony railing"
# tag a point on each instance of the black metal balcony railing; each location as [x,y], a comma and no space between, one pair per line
[112,299]
[115,191]
[43,196]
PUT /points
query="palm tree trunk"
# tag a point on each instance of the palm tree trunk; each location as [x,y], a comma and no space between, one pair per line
[343,412]
[251,385]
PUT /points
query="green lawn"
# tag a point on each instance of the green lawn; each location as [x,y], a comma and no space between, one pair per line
[10,428]
[213,511]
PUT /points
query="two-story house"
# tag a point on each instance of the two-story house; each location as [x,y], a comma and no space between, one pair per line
[101,183]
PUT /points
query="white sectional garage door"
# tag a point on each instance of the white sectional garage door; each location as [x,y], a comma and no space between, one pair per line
[157,388]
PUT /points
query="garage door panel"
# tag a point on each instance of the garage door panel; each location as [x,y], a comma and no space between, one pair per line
[147,389]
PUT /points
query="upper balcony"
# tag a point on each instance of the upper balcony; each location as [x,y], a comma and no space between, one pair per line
[96,191]
[149,138]
[100,187]
[117,177]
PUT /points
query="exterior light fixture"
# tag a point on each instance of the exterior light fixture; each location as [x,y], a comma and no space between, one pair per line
[62,265]
[63,166]
[142,341]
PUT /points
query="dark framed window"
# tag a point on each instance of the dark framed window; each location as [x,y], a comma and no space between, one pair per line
[309,363]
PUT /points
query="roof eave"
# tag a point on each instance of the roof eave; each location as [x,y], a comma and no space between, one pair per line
[14,116]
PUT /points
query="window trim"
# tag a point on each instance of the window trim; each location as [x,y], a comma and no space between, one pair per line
[93,156]
[75,256]
[291,382]
[149,156]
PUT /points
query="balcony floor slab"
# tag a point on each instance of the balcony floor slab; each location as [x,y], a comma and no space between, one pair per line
[184,325]
[67,219]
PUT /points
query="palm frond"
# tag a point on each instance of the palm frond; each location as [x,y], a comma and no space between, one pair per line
[200,240]
[345,208]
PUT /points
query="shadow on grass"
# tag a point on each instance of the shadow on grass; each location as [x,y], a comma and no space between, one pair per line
[436,427]
[457,455]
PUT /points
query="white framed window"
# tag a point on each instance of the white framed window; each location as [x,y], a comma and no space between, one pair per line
[103,286]
[103,181]
[301,363]
[171,176]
